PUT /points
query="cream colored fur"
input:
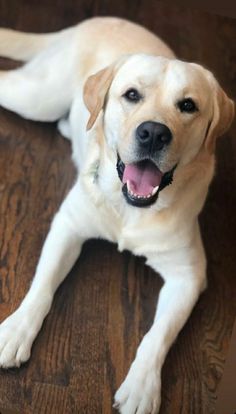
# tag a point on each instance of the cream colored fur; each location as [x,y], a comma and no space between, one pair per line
[56,81]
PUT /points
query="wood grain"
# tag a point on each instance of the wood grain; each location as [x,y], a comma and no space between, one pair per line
[105,306]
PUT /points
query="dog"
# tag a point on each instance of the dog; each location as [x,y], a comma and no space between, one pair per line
[143,127]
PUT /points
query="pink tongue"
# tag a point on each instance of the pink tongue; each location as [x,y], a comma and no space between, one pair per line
[143,177]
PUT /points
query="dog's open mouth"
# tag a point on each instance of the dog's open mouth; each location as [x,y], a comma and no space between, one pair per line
[142,181]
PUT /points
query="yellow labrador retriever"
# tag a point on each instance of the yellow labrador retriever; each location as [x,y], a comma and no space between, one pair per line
[143,127]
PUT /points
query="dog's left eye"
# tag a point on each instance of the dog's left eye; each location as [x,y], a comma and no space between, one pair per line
[132,95]
[187,105]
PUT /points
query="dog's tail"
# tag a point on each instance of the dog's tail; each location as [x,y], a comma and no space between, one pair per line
[24,46]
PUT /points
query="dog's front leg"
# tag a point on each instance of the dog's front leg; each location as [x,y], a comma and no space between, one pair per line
[71,226]
[140,393]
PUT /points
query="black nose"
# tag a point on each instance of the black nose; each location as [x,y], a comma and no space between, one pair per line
[153,136]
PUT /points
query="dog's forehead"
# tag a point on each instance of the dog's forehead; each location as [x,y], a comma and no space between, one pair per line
[146,70]
[141,68]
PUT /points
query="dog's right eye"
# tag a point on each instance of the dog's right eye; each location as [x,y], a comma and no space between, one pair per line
[132,95]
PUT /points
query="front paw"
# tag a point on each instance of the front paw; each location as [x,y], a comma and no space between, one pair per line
[140,392]
[16,337]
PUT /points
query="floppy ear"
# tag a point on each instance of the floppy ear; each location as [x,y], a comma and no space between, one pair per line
[223,114]
[96,88]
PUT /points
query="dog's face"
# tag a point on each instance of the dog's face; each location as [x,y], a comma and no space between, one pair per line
[158,114]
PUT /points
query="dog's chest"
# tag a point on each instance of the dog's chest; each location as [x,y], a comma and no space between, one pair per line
[142,231]
[140,241]
[134,230]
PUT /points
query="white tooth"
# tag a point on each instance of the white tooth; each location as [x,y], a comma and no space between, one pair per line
[128,185]
[155,189]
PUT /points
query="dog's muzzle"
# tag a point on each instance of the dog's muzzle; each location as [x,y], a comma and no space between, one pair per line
[143,180]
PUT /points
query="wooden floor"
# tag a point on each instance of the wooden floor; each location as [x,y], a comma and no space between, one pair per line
[107,303]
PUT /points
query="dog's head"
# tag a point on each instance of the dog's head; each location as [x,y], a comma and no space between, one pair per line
[158,114]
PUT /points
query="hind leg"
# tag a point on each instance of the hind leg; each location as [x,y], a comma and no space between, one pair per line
[63,127]
[36,91]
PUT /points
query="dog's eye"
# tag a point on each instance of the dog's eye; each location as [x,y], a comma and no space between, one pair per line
[132,95]
[187,105]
